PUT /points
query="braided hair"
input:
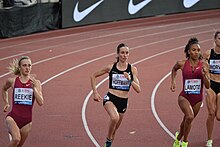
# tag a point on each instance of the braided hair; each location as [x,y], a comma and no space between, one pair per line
[188,46]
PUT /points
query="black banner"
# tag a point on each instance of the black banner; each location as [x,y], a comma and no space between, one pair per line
[83,12]
[26,20]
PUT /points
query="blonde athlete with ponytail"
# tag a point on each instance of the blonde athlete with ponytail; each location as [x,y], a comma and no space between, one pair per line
[26,88]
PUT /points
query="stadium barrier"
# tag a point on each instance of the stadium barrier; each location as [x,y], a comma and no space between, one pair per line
[47,15]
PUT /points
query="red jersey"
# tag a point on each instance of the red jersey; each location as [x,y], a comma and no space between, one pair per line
[22,98]
[192,83]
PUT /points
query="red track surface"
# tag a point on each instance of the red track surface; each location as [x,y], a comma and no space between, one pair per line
[64,60]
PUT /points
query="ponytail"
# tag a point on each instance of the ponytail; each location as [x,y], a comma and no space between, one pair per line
[189,44]
[118,50]
[15,64]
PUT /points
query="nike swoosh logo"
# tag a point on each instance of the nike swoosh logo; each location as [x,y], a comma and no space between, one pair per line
[133,9]
[78,16]
[189,3]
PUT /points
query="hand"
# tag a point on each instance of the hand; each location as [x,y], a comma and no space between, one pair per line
[204,70]
[127,76]
[33,80]
[97,97]
[6,107]
[173,87]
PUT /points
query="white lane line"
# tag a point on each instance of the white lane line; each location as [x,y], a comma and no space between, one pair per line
[85,124]
[90,93]
[65,54]
[153,106]
[90,61]
[93,61]
[113,34]
[72,68]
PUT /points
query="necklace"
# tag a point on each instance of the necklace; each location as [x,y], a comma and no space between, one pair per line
[193,64]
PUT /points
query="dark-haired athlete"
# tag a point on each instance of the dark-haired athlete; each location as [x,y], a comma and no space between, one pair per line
[195,74]
[212,56]
[121,76]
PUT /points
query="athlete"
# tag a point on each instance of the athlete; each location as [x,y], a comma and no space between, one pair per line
[212,56]
[122,75]
[26,88]
[195,73]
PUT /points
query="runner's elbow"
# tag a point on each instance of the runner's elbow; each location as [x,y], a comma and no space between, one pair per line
[138,90]
[40,102]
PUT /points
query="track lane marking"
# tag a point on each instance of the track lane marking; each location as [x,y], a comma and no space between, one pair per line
[154,112]
[89,48]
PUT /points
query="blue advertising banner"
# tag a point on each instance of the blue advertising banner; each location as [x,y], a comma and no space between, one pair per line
[84,12]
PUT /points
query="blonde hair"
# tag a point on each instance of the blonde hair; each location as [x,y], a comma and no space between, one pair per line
[15,64]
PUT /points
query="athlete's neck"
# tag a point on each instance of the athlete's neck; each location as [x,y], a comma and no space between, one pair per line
[217,49]
[193,62]
[24,78]
[122,65]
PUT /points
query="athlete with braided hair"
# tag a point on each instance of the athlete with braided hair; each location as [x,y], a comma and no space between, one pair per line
[195,73]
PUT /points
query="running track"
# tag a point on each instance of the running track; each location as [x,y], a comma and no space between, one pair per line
[64,60]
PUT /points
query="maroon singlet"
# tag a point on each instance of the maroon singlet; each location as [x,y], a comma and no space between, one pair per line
[192,83]
[22,103]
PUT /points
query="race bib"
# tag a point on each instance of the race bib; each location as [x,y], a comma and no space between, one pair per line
[120,82]
[23,96]
[192,86]
[215,66]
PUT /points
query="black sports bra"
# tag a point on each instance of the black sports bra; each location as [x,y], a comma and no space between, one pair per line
[214,62]
[117,79]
